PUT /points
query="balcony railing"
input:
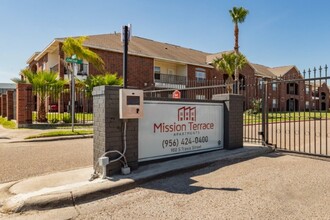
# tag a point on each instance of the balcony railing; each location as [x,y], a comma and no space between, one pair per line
[170,79]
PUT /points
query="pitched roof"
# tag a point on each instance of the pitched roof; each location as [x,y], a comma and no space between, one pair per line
[149,48]
[280,71]
[263,70]
[211,57]
[34,55]
[146,47]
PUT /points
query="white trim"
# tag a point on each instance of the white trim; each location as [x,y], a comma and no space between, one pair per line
[44,50]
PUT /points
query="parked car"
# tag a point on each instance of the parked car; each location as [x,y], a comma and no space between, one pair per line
[53,108]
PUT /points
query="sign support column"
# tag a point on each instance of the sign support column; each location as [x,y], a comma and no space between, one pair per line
[125,29]
[125,38]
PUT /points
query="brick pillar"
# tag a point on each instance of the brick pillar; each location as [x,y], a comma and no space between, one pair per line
[108,129]
[4,105]
[10,105]
[24,104]
[233,113]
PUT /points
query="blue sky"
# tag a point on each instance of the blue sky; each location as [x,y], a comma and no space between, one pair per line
[275,33]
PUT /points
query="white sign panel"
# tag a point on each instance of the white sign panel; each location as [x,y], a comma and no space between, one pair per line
[176,128]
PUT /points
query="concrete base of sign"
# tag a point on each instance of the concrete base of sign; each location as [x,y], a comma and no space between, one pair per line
[233,119]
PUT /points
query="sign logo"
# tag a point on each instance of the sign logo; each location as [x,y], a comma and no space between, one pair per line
[187,114]
[176,94]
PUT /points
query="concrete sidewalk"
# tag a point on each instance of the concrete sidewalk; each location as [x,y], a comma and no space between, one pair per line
[19,135]
[72,187]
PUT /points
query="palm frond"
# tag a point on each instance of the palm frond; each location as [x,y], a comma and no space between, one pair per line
[75,46]
[230,62]
[238,15]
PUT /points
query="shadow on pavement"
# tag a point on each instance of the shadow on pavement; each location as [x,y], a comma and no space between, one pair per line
[184,182]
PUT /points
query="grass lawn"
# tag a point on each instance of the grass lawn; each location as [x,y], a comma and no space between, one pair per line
[7,124]
[285,117]
[61,133]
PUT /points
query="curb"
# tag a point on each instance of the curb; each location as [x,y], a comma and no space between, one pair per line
[59,138]
[104,188]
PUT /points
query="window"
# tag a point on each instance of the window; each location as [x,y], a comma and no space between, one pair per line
[200,75]
[157,72]
[274,86]
[200,97]
[82,69]
[307,90]
[292,88]
[307,105]
[260,83]
[274,103]
[157,69]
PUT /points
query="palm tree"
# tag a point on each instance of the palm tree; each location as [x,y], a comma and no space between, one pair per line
[44,83]
[99,80]
[74,46]
[228,63]
[238,15]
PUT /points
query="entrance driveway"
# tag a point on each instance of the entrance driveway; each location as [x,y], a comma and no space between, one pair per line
[276,186]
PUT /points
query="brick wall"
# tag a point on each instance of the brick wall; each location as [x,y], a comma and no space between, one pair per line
[4,105]
[10,105]
[211,73]
[0,106]
[42,60]
[24,104]
[233,120]
[108,129]
[60,64]
[140,69]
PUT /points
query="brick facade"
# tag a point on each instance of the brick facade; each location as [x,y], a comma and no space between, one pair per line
[141,75]
[140,69]
[211,73]
[233,120]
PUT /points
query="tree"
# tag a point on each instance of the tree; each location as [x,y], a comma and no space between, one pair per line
[44,83]
[228,63]
[74,46]
[99,80]
[238,15]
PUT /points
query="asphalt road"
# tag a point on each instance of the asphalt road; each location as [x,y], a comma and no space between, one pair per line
[277,186]
[22,160]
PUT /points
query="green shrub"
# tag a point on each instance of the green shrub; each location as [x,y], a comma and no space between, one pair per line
[7,124]
[53,120]
[256,106]
[67,119]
